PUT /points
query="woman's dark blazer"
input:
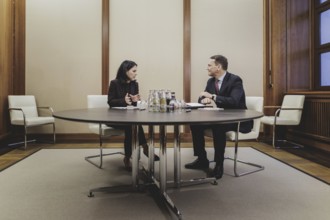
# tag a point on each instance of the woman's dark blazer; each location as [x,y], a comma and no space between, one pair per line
[118,90]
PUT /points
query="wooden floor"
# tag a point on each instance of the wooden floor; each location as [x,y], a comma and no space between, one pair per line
[318,171]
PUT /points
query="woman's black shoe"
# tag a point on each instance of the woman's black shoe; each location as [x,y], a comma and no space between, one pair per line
[127,164]
[146,152]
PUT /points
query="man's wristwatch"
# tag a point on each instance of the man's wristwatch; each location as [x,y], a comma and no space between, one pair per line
[214,97]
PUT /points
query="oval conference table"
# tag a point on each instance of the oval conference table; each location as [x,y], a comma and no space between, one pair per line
[136,117]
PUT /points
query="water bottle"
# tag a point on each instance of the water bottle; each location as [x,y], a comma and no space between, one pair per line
[168,99]
[162,100]
[156,101]
[172,104]
[151,107]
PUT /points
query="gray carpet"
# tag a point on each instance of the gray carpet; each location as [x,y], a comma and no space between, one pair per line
[53,184]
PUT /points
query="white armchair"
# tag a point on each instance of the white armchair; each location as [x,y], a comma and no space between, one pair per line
[288,114]
[102,130]
[252,103]
[24,112]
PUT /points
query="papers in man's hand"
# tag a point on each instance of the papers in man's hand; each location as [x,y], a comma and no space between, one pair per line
[210,109]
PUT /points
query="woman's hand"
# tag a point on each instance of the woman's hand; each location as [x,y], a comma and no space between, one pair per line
[135,98]
[128,99]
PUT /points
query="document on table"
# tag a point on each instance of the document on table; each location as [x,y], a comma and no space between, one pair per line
[195,105]
[124,108]
[210,109]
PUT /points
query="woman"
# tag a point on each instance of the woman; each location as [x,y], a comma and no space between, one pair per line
[124,91]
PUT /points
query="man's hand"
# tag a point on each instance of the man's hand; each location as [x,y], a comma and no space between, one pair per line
[206,101]
[128,99]
[206,95]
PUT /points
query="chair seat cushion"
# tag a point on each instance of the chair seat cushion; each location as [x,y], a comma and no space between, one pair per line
[106,130]
[279,121]
[241,136]
[33,121]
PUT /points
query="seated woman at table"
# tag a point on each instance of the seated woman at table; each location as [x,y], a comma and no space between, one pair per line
[123,92]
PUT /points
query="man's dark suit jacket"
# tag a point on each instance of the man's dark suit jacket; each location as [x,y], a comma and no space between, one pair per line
[118,90]
[231,96]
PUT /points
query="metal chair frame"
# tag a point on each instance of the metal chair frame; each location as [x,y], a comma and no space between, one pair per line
[26,127]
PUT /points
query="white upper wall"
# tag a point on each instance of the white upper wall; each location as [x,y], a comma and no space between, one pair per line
[64,46]
[63,54]
[150,33]
[233,28]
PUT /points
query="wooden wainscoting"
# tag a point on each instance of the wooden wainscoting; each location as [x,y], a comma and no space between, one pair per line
[314,129]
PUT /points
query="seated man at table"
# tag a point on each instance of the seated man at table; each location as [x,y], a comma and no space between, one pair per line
[226,91]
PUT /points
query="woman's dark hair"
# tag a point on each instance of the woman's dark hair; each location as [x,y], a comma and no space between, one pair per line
[125,66]
[219,59]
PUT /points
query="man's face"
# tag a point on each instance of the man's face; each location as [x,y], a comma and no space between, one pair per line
[212,67]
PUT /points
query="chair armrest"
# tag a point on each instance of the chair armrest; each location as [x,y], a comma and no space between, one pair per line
[280,109]
[18,109]
[47,107]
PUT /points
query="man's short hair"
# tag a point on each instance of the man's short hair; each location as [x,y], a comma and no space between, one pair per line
[219,59]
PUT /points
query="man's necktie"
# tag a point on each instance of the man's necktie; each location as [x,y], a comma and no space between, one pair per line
[216,84]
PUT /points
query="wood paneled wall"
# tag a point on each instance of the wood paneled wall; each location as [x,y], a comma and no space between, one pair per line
[6,60]
[287,49]
[288,70]
[314,129]
[298,45]
[12,56]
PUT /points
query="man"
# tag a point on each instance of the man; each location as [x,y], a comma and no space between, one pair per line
[226,91]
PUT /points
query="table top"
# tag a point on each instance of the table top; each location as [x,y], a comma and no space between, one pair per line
[138,117]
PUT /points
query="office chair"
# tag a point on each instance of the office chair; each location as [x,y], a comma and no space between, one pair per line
[24,112]
[288,114]
[102,130]
[252,103]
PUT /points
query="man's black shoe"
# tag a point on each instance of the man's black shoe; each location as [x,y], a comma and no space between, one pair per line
[198,164]
[217,171]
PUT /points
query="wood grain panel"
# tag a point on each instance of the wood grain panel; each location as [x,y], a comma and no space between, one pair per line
[105,46]
[19,48]
[278,51]
[187,50]
[314,128]
[316,118]
[6,60]
[298,48]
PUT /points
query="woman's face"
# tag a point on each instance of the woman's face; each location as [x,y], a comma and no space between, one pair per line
[132,73]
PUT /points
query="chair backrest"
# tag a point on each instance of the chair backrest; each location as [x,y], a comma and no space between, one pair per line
[292,101]
[255,103]
[252,103]
[101,101]
[97,101]
[26,102]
